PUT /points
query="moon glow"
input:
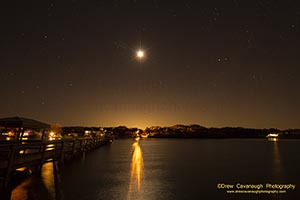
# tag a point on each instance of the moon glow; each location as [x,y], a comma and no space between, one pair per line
[140,54]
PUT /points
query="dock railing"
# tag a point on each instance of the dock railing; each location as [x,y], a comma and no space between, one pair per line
[33,154]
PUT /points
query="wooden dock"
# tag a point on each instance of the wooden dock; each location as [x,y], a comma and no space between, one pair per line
[33,154]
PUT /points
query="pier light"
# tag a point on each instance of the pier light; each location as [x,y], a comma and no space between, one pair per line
[51,135]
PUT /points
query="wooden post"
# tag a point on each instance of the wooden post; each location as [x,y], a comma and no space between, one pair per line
[43,134]
[42,148]
[81,146]
[6,193]
[57,180]
[62,156]
[73,147]
[20,129]
[22,133]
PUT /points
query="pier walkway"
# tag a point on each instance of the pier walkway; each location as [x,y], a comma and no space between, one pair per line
[31,155]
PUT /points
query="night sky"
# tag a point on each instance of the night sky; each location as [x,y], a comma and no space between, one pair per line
[215,63]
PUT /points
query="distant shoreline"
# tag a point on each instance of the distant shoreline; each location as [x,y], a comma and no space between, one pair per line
[200,132]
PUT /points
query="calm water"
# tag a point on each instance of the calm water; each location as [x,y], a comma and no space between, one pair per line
[179,169]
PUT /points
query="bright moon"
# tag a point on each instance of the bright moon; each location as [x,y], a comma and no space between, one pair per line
[140,54]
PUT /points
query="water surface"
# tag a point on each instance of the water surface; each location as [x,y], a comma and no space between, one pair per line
[182,169]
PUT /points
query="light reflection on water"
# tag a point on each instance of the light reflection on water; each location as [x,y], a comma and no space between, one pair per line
[37,187]
[137,169]
[277,167]
[48,178]
[276,157]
